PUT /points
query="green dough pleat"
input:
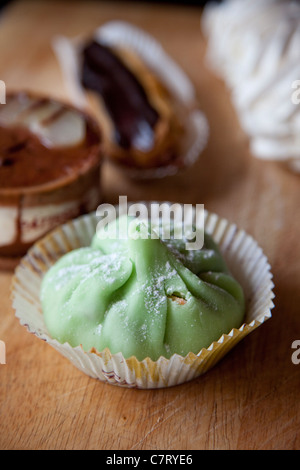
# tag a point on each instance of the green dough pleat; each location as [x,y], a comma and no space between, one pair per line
[142,297]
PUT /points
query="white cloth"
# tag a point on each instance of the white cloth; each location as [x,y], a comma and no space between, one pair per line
[254,45]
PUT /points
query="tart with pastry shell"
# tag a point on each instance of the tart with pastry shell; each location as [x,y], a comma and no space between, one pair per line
[50,157]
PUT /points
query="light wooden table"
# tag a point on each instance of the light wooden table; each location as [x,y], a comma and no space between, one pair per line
[250,400]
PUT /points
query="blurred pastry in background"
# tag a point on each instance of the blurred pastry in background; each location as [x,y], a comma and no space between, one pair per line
[137,113]
[144,103]
[254,46]
[50,157]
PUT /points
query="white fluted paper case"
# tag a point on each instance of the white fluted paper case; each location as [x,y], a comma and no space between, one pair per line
[121,33]
[244,257]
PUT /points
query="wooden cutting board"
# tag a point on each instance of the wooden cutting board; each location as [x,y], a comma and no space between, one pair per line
[250,400]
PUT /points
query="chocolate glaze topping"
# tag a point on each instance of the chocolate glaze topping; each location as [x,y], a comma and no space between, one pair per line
[123,95]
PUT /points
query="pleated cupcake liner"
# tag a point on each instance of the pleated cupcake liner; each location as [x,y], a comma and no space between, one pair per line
[245,259]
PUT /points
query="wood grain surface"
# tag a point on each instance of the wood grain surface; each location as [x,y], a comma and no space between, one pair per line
[250,400]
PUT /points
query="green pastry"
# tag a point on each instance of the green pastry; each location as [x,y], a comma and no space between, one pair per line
[142,297]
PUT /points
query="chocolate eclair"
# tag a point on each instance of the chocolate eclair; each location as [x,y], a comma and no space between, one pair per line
[50,157]
[138,115]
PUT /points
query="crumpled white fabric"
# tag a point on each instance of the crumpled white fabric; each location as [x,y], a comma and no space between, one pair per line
[254,45]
